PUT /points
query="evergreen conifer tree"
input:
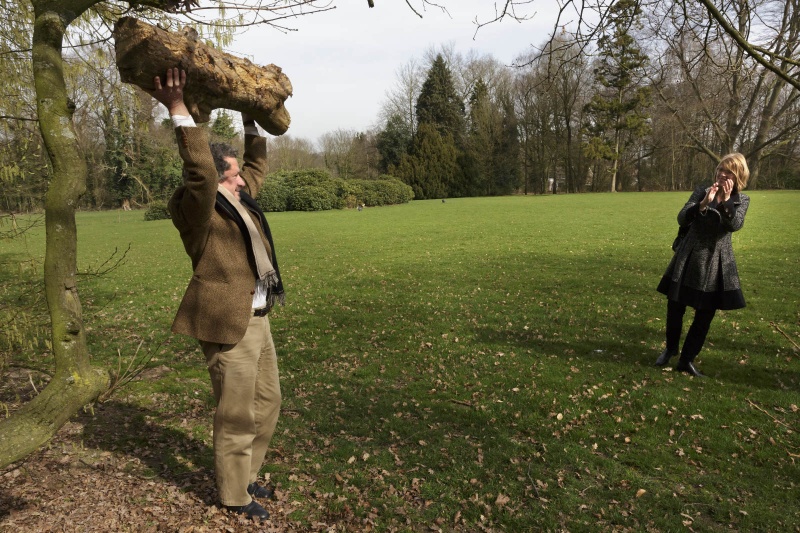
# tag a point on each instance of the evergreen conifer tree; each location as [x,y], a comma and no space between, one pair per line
[617,112]
[393,142]
[439,104]
[433,166]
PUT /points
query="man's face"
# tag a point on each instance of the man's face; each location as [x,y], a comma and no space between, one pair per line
[231,179]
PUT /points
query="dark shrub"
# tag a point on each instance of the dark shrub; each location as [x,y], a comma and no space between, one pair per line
[273,197]
[386,190]
[315,190]
[300,178]
[346,193]
[157,210]
[311,198]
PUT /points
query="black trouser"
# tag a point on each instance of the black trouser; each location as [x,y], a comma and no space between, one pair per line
[697,331]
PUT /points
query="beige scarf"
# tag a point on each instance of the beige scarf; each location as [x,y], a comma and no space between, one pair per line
[266,273]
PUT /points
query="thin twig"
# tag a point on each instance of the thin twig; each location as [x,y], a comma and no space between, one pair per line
[136,366]
[796,346]
[412,9]
[769,415]
[107,265]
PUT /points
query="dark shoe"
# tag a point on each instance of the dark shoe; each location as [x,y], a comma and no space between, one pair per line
[663,359]
[689,369]
[257,491]
[252,510]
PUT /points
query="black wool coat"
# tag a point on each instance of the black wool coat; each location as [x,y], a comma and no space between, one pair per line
[703,273]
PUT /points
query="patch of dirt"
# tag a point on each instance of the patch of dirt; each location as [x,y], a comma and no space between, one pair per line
[96,476]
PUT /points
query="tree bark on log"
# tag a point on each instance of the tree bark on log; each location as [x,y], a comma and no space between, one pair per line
[215,79]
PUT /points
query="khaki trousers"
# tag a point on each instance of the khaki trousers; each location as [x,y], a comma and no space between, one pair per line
[244,377]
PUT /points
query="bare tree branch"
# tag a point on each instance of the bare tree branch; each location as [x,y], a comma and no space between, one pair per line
[746,46]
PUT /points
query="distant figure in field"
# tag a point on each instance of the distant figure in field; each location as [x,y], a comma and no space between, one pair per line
[234,285]
[702,273]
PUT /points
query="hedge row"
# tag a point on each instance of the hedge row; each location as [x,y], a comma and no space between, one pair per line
[316,190]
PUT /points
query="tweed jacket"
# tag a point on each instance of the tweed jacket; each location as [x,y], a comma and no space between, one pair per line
[703,273]
[217,305]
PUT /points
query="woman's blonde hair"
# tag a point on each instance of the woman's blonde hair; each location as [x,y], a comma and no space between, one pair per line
[737,165]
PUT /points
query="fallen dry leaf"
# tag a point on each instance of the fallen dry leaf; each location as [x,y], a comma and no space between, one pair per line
[501,500]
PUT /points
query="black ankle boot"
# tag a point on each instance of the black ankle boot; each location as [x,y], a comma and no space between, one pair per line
[251,510]
[663,359]
[688,367]
[260,491]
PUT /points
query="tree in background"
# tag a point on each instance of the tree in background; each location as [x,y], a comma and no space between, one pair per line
[616,114]
[366,155]
[393,142]
[23,166]
[129,156]
[157,163]
[349,154]
[480,145]
[740,58]
[117,156]
[566,80]
[338,153]
[439,104]
[492,146]
[292,153]
[432,166]
[222,127]
[401,99]
[505,176]
[723,99]
[536,113]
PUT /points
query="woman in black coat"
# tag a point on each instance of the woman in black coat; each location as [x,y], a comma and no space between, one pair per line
[702,273]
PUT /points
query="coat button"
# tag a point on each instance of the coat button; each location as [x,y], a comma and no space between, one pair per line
[252,292]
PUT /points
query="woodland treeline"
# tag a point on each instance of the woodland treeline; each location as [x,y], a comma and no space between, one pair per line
[643,106]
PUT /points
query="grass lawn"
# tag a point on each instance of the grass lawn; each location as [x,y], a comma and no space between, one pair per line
[480,364]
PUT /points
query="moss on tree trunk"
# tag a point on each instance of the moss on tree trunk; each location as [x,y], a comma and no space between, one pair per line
[75,383]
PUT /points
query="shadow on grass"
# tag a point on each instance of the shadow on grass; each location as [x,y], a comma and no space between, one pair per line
[10,503]
[641,357]
[168,453]
[141,445]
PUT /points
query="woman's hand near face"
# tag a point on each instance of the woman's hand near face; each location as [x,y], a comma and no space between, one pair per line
[724,185]
[727,189]
[712,192]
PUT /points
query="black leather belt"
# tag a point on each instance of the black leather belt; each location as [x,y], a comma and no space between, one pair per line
[261,312]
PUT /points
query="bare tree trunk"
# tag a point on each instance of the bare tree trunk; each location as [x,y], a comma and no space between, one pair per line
[75,383]
[615,167]
[569,166]
[217,79]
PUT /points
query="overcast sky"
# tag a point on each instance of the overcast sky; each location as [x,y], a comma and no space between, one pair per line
[342,62]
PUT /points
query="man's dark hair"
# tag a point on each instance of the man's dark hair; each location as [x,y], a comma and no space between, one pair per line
[219,151]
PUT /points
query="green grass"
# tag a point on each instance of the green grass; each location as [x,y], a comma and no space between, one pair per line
[486,363]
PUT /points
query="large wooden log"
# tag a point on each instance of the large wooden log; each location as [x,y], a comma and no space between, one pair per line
[215,79]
